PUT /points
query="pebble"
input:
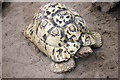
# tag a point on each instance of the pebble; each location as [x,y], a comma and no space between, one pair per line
[102,57]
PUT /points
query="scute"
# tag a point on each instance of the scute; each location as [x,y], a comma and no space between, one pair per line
[62,18]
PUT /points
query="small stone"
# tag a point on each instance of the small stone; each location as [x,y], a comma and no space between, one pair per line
[102,57]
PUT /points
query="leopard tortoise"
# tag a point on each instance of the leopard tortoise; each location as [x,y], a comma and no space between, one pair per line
[61,33]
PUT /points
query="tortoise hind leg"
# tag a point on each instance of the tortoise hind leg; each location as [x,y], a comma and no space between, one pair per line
[98,39]
[62,66]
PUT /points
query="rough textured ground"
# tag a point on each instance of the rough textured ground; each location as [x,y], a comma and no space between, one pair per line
[21,59]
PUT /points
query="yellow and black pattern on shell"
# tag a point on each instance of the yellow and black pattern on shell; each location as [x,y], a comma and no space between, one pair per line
[58,31]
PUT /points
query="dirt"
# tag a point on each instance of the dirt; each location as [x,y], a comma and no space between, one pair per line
[22,59]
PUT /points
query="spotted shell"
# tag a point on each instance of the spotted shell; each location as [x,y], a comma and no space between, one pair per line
[58,31]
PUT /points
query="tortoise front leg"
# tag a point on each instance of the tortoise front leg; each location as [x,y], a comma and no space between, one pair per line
[62,66]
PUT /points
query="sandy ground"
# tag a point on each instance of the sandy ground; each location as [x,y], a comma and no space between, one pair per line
[21,59]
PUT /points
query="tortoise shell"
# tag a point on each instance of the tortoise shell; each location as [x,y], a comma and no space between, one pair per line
[59,32]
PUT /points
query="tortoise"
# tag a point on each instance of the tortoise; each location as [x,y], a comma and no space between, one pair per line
[62,34]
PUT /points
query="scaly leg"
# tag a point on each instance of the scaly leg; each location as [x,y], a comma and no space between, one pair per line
[63,66]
